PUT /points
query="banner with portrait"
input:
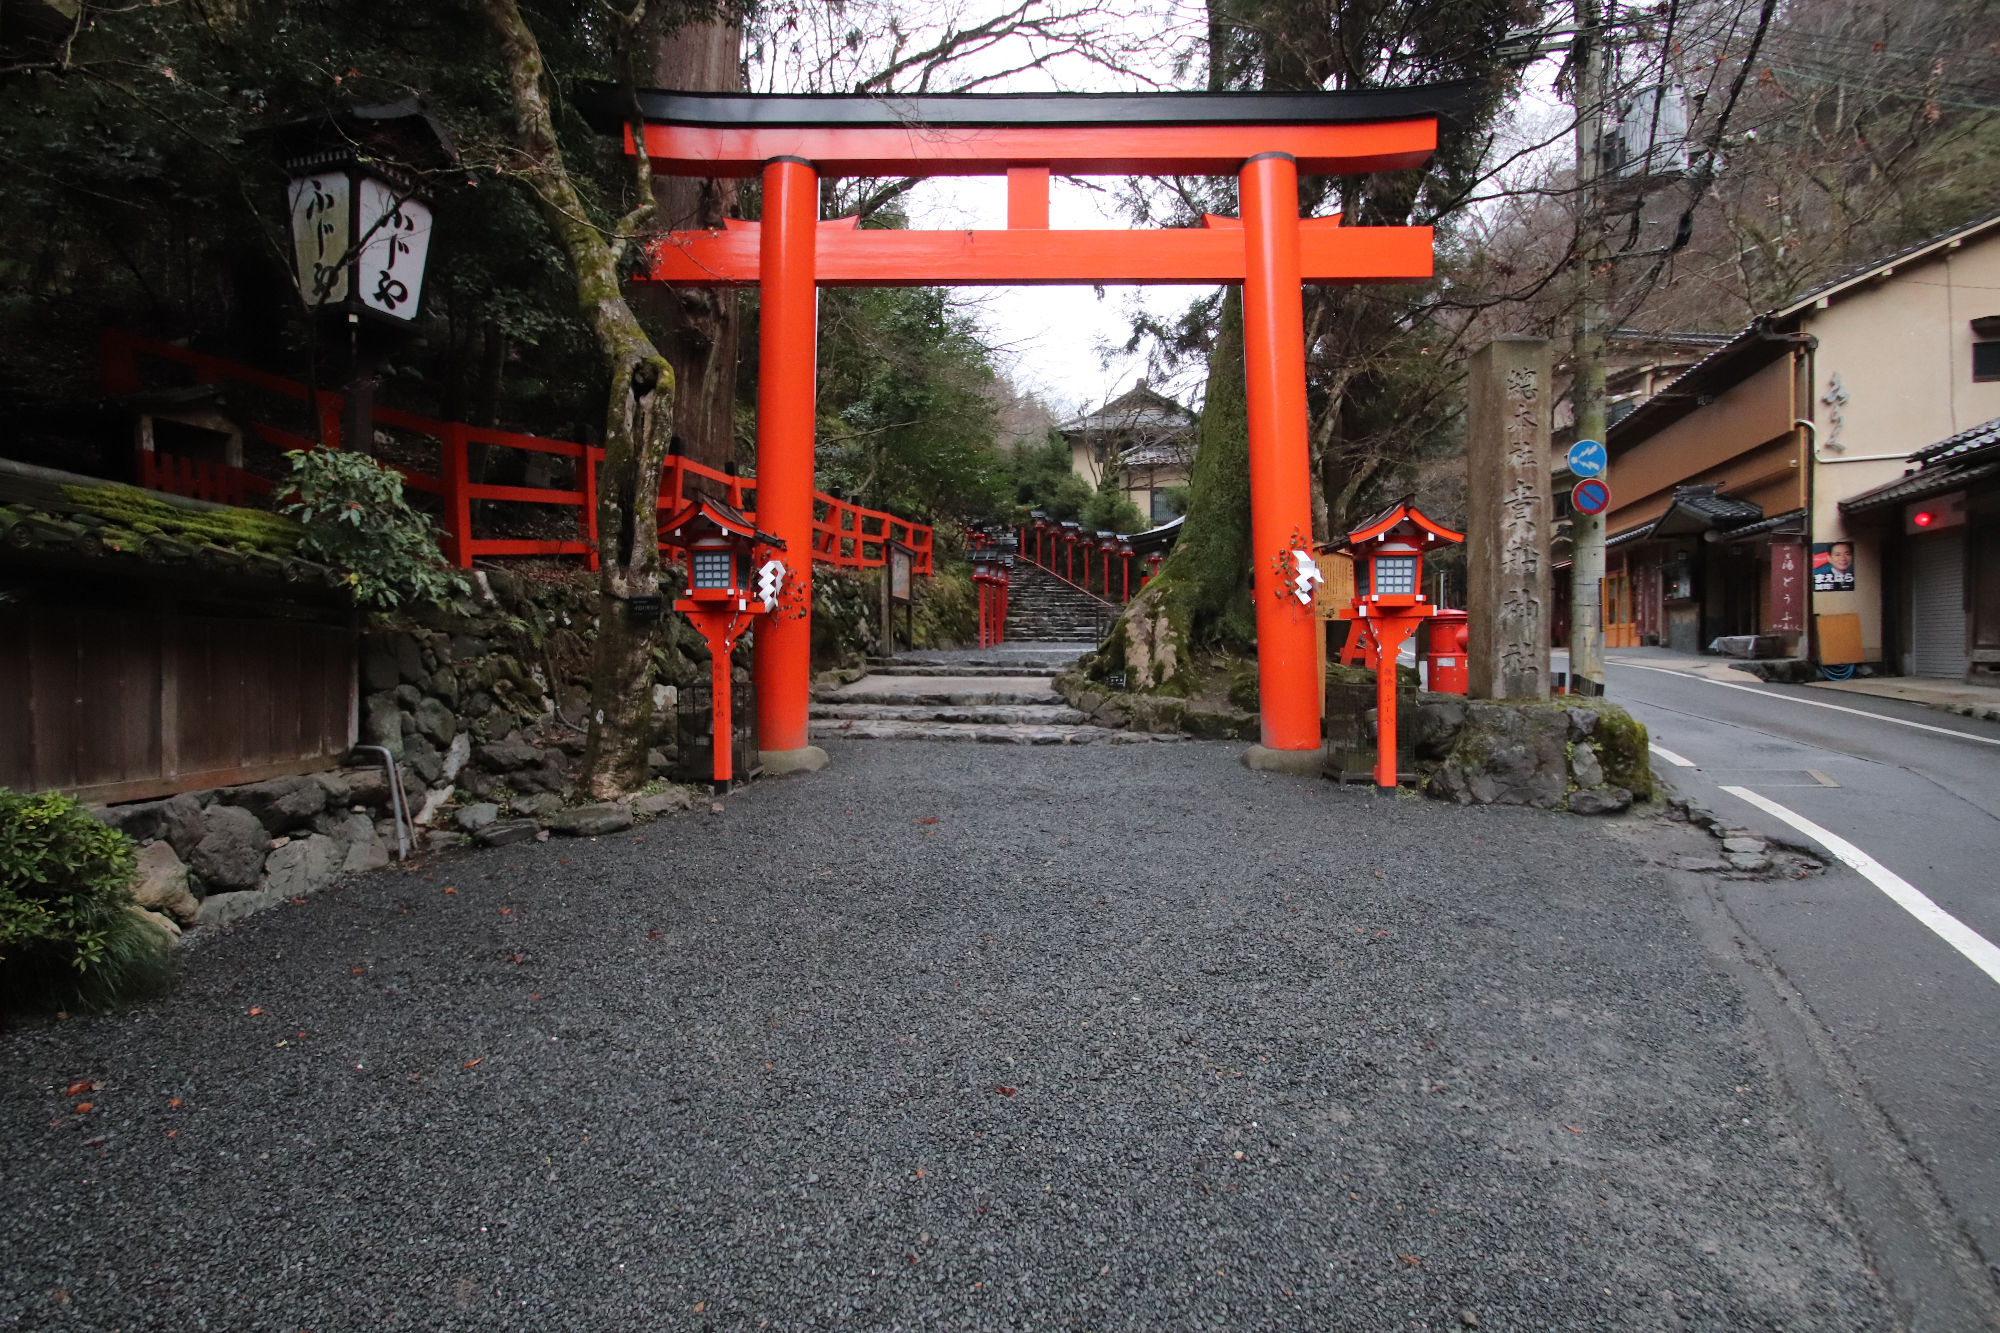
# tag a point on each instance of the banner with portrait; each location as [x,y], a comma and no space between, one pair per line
[1833,566]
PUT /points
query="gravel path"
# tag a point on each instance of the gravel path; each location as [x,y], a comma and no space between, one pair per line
[942,1038]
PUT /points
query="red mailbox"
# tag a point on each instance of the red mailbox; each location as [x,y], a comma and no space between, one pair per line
[1448,672]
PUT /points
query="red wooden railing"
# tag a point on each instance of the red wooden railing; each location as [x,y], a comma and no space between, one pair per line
[199,479]
[1105,567]
[844,534]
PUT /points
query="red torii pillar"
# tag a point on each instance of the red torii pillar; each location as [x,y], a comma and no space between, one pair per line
[788,352]
[1274,354]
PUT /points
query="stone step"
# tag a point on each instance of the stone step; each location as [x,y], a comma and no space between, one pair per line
[975,733]
[1018,714]
[958,698]
[965,669]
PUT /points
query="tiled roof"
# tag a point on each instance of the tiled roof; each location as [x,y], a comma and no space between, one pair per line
[1951,464]
[48,515]
[1973,440]
[1137,410]
[1694,509]
[1155,455]
[1915,249]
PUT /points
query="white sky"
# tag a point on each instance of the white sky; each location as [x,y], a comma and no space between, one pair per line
[1065,344]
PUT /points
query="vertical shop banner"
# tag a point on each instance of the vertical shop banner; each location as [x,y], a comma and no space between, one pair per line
[1788,586]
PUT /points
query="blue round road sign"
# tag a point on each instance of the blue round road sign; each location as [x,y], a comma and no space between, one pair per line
[1590,497]
[1587,458]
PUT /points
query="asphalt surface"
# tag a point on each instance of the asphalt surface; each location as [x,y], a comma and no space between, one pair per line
[945,1037]
[1903,1015]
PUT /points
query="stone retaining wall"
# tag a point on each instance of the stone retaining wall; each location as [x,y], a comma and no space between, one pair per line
[482,707]
[1583,755]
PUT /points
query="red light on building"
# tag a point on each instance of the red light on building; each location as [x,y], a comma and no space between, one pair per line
[1923,518]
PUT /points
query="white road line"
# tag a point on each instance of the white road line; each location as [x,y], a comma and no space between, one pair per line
[1815,703]
[1670,756]
[1983,953]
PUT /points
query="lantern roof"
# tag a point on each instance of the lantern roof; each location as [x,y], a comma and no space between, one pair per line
[712,518]
[1401,519]
[401,134]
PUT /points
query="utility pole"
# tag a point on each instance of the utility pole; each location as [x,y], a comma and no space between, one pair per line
[1586,386]
[1587,347]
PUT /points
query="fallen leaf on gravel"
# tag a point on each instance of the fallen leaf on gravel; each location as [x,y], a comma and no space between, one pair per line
[81,1085]
[1004,1090]
[83,1108]
[470,1063]
[97,1142]
[920,1173]
[699,1306]
[172,1132]
[520,958]
[1572,1129]
[453,892]
[173,1101]
[255,1012]
[506,911]
[652,934]
[928,819]
[1411,1260]
[354,971]
[298,901]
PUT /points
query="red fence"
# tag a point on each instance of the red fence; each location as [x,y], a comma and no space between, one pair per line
[1102,564]
[844,534]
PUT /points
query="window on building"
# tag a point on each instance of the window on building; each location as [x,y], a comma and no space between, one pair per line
[1986,361]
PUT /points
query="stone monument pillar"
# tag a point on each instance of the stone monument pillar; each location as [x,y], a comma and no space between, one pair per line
[1507,524]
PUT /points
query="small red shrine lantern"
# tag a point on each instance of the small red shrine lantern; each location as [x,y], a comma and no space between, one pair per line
[734,576]
[1389,604]
[991,575]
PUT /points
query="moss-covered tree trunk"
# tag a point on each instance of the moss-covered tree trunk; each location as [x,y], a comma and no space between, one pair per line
[1201,597]
[638,417]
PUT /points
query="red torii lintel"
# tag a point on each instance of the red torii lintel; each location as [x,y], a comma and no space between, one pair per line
[1266,140]
[847,256]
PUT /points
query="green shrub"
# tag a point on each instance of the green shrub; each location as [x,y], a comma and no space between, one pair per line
[67,934]
[357,520]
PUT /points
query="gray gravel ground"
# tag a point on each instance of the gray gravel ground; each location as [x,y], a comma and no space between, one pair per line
[942,1038]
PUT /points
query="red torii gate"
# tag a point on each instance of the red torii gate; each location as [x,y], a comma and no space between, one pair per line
[1266,140]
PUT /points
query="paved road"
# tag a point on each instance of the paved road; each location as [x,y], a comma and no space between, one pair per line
[946,1037]
[1913,1018]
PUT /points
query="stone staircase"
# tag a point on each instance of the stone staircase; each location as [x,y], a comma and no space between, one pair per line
[1042,608]
[1005,698]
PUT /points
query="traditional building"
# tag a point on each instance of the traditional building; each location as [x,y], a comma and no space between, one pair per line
[1734,485]
[1145,439]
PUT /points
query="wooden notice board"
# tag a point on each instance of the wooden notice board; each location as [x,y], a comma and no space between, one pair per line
[1839,639]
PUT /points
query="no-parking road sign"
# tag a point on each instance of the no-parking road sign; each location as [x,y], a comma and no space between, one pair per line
[1590,497]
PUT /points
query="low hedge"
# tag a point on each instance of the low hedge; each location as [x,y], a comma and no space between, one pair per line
[69,934]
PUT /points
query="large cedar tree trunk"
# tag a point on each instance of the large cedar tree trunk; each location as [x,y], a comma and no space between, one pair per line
[638,419]
[696,328]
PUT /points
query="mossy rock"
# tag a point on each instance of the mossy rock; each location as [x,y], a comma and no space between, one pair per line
[1622,747]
